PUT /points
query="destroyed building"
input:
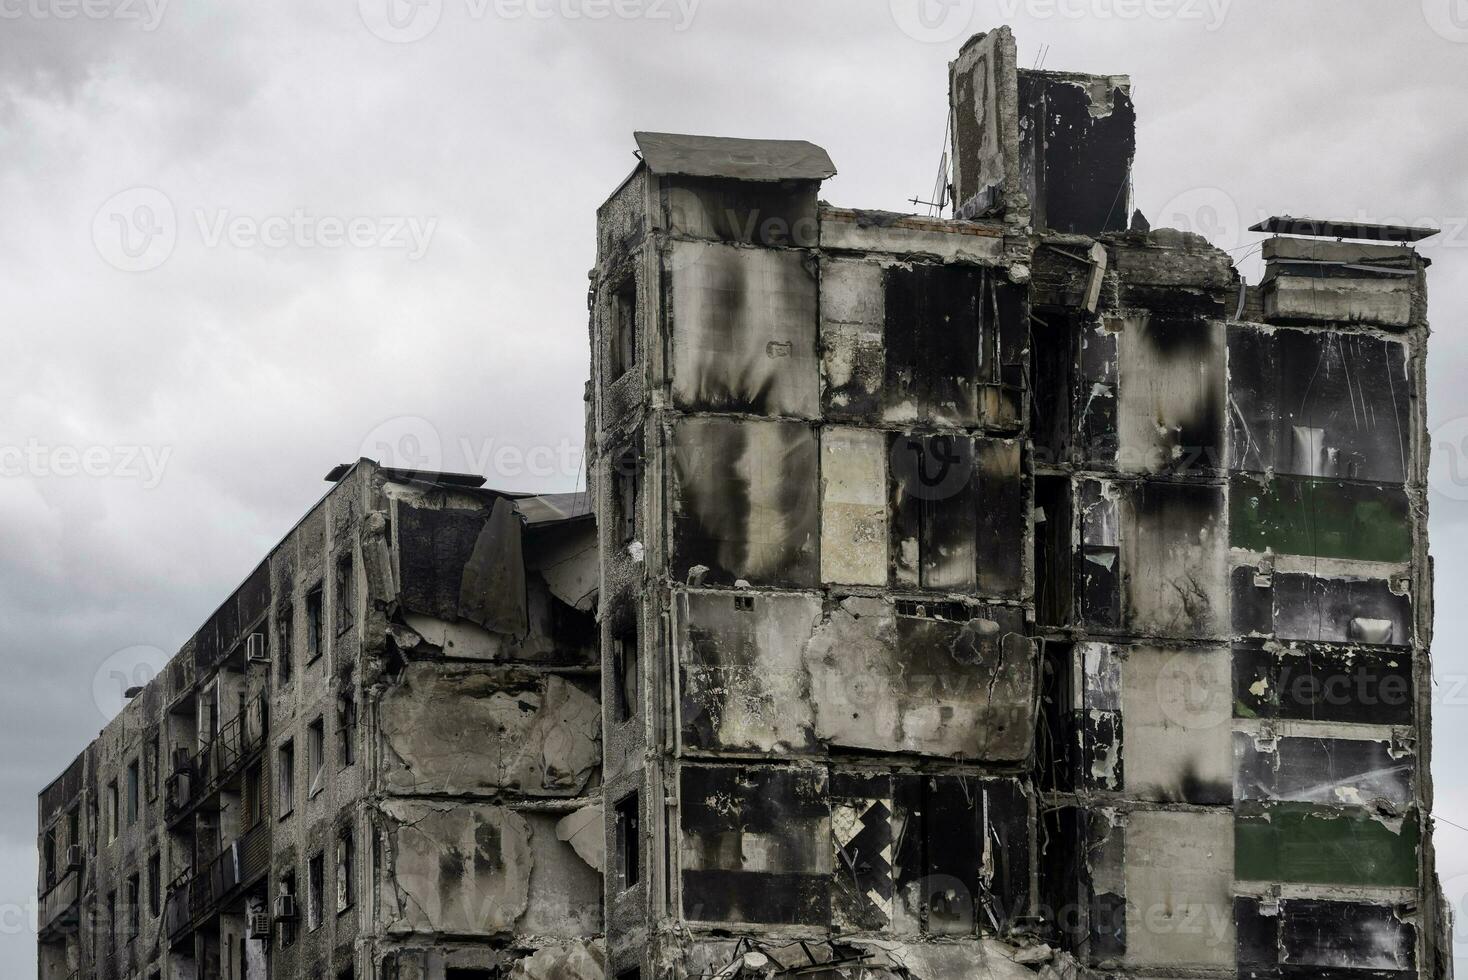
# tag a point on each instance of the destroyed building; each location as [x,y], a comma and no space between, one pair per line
[379,758]
[1019,592]
[1015,594]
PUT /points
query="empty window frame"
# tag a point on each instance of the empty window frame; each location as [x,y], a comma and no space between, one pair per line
[112,811]
[285,628]
[315,637]
[48,859]
[254,795]
[134,905]
[622,356]
[134,786]
[315,889]
[629,842]
[155,884]
[346,730]
[626,473]
[626,667]
[344,591]
[315,756]
[346,868]
[152,753]
[285,767]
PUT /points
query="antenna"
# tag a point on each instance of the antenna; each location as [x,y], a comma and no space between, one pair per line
[939,197]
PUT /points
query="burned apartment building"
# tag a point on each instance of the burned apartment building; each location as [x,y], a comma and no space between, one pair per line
[1018,593]
[379,758]
[1021,594]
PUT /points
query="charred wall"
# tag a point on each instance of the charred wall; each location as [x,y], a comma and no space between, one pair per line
[826,578]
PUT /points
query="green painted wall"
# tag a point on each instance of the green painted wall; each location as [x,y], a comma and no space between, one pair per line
[1324,518]
[1308,844]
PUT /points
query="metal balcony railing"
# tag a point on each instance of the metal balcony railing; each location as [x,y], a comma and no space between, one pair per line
[199,894]
[241,738]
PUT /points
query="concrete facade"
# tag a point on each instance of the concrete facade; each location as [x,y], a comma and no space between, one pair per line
[373,760]
[1016,593]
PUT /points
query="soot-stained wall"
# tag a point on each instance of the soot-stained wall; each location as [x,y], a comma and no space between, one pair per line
[791,674]
[884,852]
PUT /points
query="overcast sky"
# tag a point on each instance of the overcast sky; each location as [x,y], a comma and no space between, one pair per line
[242,243]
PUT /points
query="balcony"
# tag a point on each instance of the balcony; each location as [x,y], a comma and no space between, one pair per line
[58,912]
[197,895]
[196,781]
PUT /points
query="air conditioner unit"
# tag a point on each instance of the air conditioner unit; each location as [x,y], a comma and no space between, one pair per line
[73,856]
[181,759]
[285,908]
[258,925]
[255,652]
